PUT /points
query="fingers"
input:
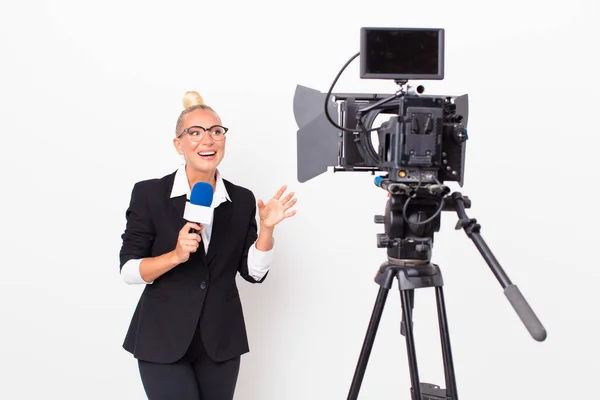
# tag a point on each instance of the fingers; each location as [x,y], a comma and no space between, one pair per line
[288,197]
[288,201]
[290,204]
[278,196]
[187,242]
[280,192]
[192,241]
[184,235]
[189,245]
[190,249]
[191,236]
[191,225]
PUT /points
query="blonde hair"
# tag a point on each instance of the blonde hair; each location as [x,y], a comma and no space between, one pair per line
[191,101]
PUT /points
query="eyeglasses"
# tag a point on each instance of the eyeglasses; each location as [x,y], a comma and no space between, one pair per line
[196,133]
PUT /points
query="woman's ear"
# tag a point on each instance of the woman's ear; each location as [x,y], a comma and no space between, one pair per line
[178,146]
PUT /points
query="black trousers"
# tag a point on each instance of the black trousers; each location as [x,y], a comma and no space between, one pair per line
[195,377]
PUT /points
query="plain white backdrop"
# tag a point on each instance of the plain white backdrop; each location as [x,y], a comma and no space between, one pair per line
[89,96]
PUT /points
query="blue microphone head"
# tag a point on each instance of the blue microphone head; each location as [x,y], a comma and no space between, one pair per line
[202,194]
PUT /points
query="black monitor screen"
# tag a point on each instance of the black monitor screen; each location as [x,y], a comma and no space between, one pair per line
[402,53]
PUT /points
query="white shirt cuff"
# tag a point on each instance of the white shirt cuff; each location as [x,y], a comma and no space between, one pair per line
[259,261]
[131,273]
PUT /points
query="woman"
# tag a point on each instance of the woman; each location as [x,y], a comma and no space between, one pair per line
[188,330]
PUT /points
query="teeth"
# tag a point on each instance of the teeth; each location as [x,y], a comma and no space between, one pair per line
[207,153]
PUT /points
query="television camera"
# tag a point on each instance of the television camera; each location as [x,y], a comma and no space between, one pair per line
[419,148]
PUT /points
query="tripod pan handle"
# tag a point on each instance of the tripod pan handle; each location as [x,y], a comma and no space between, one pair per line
[524,311]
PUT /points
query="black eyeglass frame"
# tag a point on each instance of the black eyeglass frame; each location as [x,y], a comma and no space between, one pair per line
[204,130]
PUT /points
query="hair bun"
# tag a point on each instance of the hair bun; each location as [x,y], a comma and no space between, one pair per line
[192,98]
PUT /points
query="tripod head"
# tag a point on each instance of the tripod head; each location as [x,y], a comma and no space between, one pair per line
[412,217]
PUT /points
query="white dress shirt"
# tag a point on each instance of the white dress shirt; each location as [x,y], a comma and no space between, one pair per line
[259,261]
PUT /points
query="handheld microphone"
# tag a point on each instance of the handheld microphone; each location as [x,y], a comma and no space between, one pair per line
[198,209]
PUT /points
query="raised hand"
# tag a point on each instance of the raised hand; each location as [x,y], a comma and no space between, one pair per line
[276,209]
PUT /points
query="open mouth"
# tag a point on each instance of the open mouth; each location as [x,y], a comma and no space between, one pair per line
[207,155]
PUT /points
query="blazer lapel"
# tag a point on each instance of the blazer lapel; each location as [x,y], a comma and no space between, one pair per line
[178,207]
[220,227]
[177,203]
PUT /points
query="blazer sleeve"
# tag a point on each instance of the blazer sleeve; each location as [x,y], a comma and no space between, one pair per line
[138,236]
[251,236]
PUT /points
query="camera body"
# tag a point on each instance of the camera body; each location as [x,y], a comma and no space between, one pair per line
[424,140]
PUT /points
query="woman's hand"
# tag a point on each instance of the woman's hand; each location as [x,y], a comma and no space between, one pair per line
[276,210]
[152,268]
[187,242]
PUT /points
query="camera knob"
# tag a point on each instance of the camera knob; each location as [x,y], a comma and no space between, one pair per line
[379,219]
[383,240]
[460,135]
[422,248]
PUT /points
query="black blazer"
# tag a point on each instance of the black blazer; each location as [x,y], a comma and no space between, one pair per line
[201,292]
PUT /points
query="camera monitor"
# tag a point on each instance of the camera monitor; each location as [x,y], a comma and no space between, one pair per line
[402,53]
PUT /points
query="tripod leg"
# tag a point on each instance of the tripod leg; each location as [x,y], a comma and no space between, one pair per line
[368,343]
[410,343]
[451,392]
[411,299]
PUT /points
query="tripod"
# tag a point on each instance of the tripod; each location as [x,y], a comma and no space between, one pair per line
[409,238]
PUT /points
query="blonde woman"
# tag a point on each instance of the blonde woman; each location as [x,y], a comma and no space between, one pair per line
[188,331]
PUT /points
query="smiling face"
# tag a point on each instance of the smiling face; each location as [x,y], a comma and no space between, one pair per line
[202,156]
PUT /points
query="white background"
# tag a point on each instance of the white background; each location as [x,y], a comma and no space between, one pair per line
[89,96]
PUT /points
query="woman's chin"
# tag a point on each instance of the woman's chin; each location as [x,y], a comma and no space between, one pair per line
[205,166]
